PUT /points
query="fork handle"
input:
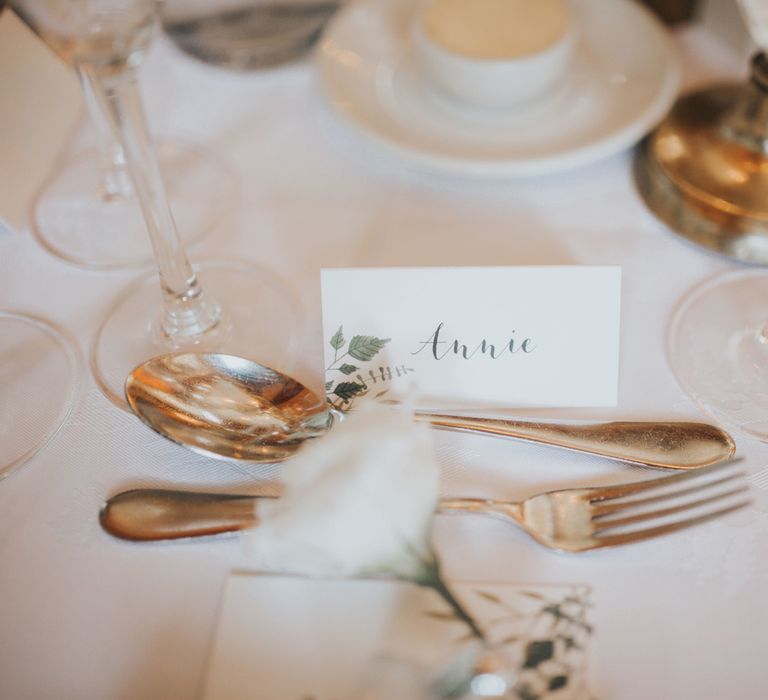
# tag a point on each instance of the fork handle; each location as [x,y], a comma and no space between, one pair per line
[503,509]
[665,444]
[145,515]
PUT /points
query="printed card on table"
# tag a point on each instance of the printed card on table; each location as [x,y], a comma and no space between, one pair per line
[285,638]
[473,337]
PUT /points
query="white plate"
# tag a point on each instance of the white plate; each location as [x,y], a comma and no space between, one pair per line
[625,76]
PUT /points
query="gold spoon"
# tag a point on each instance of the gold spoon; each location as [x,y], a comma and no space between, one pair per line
[234,408]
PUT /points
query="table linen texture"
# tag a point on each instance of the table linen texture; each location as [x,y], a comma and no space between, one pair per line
[87,617]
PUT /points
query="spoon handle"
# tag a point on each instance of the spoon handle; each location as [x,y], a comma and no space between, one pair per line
[670,444]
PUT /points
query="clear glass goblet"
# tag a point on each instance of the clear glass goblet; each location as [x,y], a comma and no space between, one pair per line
[718,349]
[39,377]
[244,309]
[87,213]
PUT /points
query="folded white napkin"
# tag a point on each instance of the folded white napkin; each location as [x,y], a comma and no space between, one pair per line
[756,17]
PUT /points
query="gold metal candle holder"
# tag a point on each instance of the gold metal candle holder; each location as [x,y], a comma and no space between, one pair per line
[704,170]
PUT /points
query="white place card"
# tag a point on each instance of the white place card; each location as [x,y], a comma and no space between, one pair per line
[282,638]
[473,337]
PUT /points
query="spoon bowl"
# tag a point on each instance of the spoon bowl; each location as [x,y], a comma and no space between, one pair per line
[225,406]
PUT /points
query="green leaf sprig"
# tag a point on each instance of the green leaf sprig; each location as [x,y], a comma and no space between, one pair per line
[355,381]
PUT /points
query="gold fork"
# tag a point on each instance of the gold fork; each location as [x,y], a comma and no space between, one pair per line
[573,520]
[577,520]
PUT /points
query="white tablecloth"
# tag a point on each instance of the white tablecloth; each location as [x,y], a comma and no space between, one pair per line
[86,617]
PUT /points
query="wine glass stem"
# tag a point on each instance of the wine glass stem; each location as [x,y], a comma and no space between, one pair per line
[746,121]
[115,180]
[186,312]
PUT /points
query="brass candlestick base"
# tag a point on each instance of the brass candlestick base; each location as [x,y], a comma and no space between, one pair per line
[704,170]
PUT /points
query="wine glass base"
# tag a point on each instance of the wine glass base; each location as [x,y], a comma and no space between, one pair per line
[260,320]
[718,354]
[39,376]
[74,219]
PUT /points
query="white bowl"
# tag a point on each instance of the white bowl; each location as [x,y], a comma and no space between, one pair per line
[492,82]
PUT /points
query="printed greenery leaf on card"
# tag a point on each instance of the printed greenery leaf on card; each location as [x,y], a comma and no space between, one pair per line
[557,613]
[365,347]
[538,676]
[569,642]
[526,693]
[341,392]
[490,597]
[338,338]
[536,652]
[441,615]
[557,682]
[348,390]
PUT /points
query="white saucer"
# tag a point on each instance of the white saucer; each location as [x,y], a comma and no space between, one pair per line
[625,77]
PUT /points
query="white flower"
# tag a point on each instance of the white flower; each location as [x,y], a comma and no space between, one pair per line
[358,501]
[755,15]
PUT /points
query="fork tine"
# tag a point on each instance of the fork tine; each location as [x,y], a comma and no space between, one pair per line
[602,493]
[603,509]
[602,524]
[639,535]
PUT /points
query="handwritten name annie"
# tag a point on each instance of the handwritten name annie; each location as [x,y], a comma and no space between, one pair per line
[439,349]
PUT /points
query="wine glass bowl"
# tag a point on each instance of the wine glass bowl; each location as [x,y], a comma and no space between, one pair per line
[84,215]
[106,36]
[33,352]
[718,349]
[87,212]
[255,315]
[246,310]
